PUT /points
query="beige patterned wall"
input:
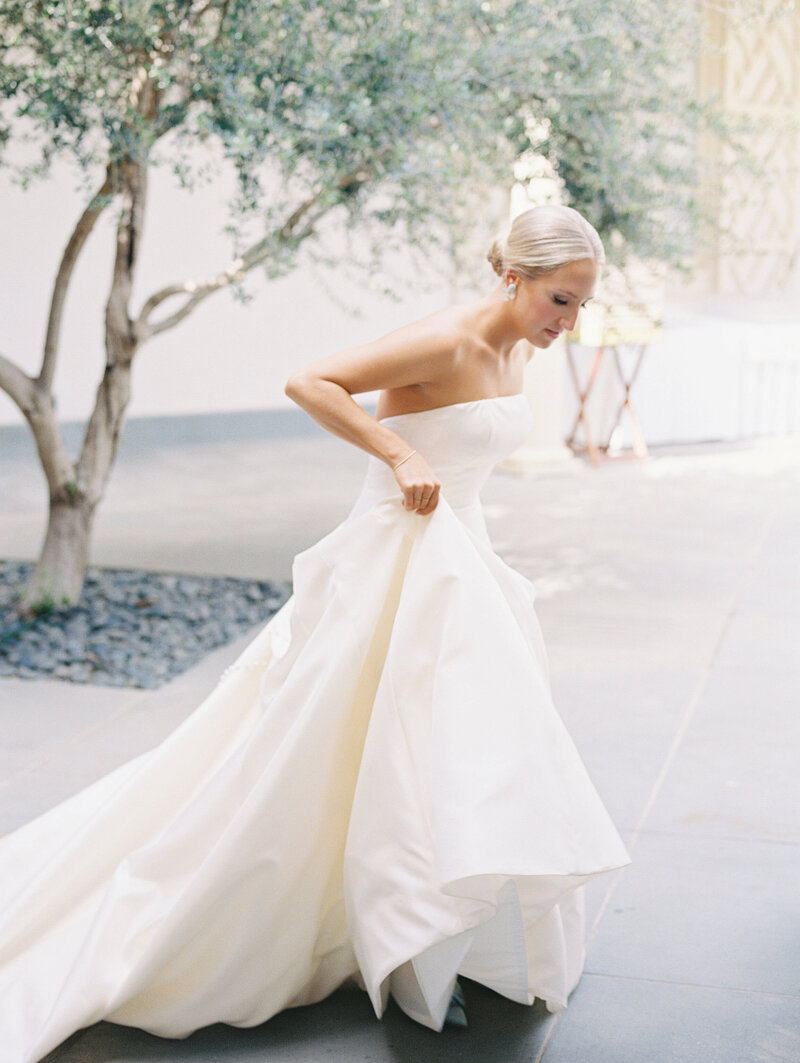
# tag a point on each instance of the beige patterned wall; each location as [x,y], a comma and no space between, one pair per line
[754,68]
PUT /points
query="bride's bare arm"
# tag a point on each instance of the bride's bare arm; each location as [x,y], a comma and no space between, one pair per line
[414,355]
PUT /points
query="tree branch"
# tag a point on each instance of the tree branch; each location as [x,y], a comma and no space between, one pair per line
[17,385]
[36,404]
[194,17]
[72,251]
[120,337]
[198,291]
[113,394]
[223,14]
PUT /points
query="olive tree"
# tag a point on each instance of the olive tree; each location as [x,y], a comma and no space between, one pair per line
[384,112]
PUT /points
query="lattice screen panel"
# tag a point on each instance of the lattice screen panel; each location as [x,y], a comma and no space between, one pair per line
[762,65]
[757,73]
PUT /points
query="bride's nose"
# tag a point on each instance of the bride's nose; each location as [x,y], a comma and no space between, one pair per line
[567,321]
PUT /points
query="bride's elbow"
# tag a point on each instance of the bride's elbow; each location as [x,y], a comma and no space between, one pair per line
[296,386]
[310,391]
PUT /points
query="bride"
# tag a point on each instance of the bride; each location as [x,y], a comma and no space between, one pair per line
[380,788]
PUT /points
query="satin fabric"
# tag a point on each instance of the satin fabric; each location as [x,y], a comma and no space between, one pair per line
[380,788]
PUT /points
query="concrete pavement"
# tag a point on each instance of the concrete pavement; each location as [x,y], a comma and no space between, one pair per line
[669,595]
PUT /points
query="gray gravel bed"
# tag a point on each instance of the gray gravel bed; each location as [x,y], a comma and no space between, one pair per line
[130,628]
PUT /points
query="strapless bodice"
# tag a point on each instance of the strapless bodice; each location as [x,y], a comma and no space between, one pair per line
[462,443]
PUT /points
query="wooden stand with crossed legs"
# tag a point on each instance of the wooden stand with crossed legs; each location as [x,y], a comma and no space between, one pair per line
[597,451]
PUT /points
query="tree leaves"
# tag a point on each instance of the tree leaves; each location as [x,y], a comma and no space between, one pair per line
[424,100]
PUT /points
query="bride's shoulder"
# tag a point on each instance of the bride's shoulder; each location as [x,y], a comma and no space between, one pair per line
[448,322]
[444,333]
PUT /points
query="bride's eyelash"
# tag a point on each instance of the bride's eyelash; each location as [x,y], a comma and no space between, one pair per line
[563,302]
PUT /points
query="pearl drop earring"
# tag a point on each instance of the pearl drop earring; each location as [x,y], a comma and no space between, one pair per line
[510,292]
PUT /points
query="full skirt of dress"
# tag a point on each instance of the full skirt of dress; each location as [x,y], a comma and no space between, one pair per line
[379,788]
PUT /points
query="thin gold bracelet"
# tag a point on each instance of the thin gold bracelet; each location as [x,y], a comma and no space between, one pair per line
[405,459]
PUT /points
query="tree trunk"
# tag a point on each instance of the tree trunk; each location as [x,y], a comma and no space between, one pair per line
[77,489]
[61,568]
[74,497]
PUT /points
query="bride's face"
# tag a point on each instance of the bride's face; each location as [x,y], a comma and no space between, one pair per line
[546,306]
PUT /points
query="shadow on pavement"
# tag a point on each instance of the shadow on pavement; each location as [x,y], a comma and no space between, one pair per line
[343,1027]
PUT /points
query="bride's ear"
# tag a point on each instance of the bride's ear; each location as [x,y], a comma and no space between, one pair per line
[510,280]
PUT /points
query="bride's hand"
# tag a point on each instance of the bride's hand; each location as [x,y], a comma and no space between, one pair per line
[419,484]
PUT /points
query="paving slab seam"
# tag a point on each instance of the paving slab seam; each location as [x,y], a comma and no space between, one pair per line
[683,726]
[548,1037]
[609,976]
[59,750]
[675,744]
[677,740]
[758,545]
[699,835]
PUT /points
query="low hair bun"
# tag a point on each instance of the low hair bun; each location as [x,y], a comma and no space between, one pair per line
[496,257]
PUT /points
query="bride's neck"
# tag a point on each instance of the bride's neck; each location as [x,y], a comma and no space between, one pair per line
[493,323]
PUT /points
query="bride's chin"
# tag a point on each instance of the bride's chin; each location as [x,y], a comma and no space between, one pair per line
[541,339]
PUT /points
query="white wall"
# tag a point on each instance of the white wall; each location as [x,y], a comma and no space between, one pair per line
[225,356]
[709,376]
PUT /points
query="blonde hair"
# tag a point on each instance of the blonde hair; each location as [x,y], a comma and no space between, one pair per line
[542,239]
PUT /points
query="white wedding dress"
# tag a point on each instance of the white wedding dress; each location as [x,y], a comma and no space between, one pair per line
[379,788]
